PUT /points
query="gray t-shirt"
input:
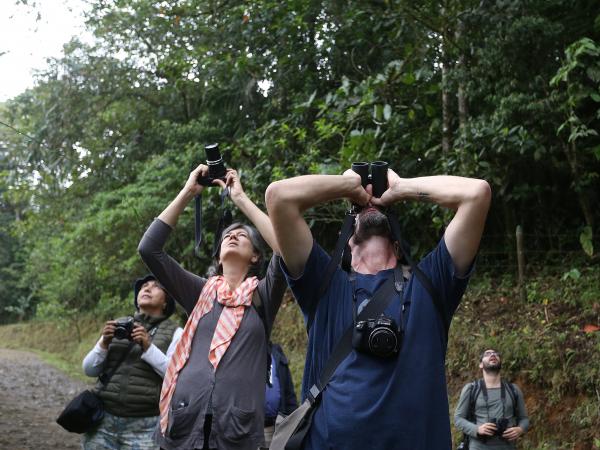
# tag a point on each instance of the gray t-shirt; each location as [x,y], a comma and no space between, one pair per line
[236,390]
[484,412]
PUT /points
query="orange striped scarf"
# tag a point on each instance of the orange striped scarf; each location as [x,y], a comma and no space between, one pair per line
[235,304]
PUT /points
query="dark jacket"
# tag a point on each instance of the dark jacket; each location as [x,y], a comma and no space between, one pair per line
[134,389]
[288,401]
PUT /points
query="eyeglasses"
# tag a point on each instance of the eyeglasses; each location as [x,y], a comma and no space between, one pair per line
[490,353]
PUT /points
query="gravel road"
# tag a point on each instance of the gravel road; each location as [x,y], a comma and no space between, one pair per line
[32,394]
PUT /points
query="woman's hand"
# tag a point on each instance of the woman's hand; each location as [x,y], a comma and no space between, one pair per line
[232,180]
[171,213]
[140,336]
[191,185]
[108,332]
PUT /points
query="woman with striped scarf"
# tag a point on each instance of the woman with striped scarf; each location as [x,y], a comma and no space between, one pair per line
[213,392]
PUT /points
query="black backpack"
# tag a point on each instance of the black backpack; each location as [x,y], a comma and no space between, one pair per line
[475,388]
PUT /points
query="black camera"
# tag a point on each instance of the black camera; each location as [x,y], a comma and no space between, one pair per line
[377,177]
[123,327]
[501,425]
[216,166]
[379,337]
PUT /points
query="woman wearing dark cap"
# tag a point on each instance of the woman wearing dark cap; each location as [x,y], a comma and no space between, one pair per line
[136,351]
[214,389]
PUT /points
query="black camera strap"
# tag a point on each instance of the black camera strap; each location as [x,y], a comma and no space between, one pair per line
[374,308]
[197,224]
[425,281]
[336,258]
[224,221]
[503,388]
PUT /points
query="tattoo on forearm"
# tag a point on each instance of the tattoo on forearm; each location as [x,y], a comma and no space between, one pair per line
[423,196]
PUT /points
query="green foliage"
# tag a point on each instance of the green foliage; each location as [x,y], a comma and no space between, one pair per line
[545,349]
[508,91]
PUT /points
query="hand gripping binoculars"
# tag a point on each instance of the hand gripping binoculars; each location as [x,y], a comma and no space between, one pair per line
[377,176]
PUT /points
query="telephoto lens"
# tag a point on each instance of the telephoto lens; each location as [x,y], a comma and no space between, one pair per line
[216,166]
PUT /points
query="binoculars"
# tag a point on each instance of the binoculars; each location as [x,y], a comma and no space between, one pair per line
[377,178]
[216,166]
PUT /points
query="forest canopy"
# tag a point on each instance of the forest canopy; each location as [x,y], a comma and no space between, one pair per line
[504,90]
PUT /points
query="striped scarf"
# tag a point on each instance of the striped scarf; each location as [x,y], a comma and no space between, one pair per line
[235,303]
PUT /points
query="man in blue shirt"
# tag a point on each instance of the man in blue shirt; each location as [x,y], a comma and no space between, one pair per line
[397,403]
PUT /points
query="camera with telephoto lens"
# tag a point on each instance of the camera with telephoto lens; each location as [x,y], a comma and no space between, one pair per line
[123,327]
[216,166]
[501,425]
[378,337]
[377,176]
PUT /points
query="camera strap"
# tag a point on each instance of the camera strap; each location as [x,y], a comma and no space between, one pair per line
[484,392]
[224,221]
[425,281]
[336,258]
[197,224]
[376,306]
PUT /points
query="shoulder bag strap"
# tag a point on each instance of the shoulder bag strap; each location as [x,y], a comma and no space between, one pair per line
[376,306]
[106,376]
[381,299]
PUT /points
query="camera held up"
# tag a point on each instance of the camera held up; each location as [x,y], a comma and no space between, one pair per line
[216,166]
[124,327]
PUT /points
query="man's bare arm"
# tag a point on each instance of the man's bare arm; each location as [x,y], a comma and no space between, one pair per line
[287,200]
[469,197]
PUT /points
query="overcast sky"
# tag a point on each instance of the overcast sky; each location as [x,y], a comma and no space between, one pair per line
[27,42]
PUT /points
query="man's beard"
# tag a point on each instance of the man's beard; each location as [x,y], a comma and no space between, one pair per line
[492,368]
[374,223]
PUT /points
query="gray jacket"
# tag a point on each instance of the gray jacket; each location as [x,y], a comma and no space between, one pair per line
[235,392]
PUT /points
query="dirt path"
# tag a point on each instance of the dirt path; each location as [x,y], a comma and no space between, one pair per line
[32,394]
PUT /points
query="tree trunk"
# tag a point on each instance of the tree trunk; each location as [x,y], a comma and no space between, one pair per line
[583,200]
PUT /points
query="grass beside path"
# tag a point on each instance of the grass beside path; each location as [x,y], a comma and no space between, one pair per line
[59,344]
[55,343]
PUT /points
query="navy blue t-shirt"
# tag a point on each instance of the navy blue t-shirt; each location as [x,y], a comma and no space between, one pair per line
[372,403]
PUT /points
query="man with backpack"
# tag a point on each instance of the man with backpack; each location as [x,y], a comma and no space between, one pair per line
[491,412]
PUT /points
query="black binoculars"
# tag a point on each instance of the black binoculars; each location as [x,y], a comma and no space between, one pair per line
[377,177]
[216,166]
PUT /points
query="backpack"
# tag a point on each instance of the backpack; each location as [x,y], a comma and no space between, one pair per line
[475,388]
